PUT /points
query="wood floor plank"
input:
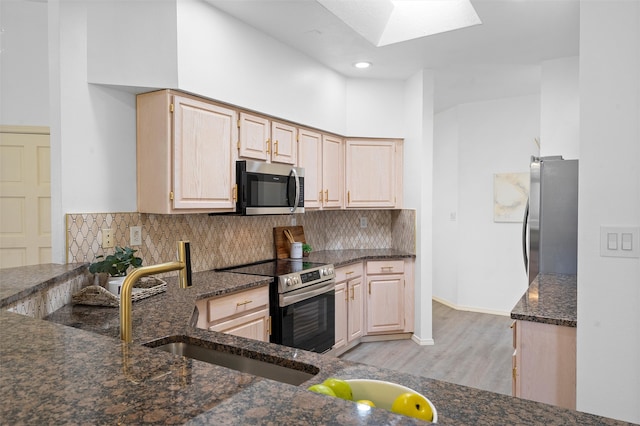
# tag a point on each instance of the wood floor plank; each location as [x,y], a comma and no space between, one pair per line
[470,349]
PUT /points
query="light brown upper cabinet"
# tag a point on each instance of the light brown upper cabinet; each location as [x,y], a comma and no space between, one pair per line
[266,140]
[332,172]
[373,173]
[185,155]
[321,156]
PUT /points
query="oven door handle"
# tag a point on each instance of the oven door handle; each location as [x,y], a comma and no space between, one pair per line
[296,296]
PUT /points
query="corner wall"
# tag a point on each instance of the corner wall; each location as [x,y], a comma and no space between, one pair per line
[608,371]
[474,142]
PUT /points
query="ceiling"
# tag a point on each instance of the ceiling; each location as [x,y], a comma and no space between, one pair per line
[499,58]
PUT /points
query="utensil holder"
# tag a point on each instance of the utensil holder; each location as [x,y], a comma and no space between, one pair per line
[296,251]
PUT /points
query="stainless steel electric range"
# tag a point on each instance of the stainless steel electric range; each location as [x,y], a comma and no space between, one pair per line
[301,302]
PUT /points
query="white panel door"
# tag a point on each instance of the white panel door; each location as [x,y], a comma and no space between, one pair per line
[25,196]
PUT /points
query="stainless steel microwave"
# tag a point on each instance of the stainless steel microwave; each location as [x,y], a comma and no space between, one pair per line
[268,188]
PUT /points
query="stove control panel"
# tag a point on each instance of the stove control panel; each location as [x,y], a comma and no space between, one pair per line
[305,277]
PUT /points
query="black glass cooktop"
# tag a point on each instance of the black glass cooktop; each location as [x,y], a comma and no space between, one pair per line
[274,268]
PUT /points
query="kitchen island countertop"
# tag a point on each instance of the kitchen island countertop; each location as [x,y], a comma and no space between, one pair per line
[78,371]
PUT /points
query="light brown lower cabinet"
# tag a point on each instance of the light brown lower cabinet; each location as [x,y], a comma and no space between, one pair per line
[374,301]
[244,314]
[544,363]
[349,304]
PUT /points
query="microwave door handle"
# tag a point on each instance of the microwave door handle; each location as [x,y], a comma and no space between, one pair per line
[297,200]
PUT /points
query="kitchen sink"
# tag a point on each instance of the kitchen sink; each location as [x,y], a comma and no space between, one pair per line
[242,363]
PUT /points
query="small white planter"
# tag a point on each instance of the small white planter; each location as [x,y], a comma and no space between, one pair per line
[114,285]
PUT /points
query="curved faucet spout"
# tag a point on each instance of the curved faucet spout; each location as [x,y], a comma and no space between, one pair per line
[183,265]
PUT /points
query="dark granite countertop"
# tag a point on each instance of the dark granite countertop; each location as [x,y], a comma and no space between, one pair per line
[55,374]
[22,282]
[550,299]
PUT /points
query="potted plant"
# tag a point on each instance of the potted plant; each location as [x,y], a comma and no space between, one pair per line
[116,266]
[306,249]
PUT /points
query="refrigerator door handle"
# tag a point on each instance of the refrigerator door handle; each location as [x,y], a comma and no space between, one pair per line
[525,221]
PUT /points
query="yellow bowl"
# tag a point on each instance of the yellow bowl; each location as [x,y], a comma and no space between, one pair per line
[382,393]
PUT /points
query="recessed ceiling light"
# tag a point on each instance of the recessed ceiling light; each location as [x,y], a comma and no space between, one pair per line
[362,65]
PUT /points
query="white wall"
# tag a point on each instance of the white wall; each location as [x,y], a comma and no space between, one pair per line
[375,108]
[225,59]
[24,76]
[492,137]
[93,137]
[418,191]
[608,370]
[132,43]
[445,205]
[560,108]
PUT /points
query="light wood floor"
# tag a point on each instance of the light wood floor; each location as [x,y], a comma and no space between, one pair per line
[470,349]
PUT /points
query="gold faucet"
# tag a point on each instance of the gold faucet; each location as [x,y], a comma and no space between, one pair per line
[182,265]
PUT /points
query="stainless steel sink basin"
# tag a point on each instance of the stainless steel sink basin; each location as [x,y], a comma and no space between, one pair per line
[238,362]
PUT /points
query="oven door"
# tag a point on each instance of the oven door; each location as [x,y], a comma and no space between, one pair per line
[266,188]
[306,322]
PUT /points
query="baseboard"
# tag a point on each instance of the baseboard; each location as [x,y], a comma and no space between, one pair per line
[422,342]
[383,337]
[470,308]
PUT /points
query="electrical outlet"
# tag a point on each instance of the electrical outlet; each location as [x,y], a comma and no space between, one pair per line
[135,236]
[107,238]
[293,220]
[363,222]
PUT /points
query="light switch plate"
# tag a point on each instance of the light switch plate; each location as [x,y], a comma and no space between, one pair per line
[135,236]
[107,238]
[619,241]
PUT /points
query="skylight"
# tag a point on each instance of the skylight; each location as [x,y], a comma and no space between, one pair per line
[384,22]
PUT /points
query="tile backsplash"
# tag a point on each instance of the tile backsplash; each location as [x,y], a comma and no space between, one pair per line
[221,241]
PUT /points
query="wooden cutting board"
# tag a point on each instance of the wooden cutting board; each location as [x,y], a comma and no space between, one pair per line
[283,248]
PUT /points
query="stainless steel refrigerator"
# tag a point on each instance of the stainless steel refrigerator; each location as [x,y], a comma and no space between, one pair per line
[550,226]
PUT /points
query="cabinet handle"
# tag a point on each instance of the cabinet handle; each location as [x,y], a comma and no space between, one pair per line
[246,302]
[352,294]
[320,197]
[269,326]
[348,197]
[348,273]
[234,193]
[387,268]
[369,287]
[268,142]
[276,151]
[326,195]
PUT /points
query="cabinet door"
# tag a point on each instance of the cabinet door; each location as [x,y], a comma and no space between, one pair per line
[203,161]
[546,363]
[341,315]
[252,326]
[332,172]
[356,309]
[385,303]
[371,174]
[284,147]
[310,158]
[255,140]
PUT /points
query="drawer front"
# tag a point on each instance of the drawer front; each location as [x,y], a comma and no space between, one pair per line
[227,306]
[348,272]
[385,267]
